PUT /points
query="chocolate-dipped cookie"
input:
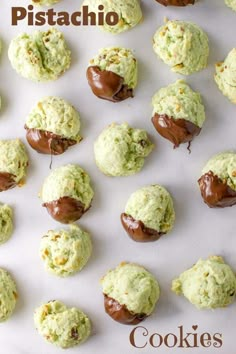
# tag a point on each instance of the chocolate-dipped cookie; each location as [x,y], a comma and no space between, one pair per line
[112,74]
[67,193]
[176,2]
[218,181]
[13,164]
[149,214]
[130,293]
[52,126]
[178,113]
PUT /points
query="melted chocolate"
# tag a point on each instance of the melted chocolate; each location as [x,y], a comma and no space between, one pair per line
[108,85]
[7,181]
[176,2]
[46,142]
[120,313]
[215,192]
[65,209]
[137,230]
[178,131]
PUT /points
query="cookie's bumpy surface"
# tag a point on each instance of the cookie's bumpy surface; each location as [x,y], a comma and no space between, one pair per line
[225,76]
[65,252]
[40,56]
[183,46]
[208,284]
[6,223]
[129,11]
[8,295]
[120,150]
[60,325]
[133,290]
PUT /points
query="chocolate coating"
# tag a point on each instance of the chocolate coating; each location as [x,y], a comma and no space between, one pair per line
[120,313]
[137,230]
[46,142]
[108,85]
[7,181]
[176,2]
[215,192]
[65,209]
[178,131]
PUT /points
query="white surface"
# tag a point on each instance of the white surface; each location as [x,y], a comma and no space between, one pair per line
[198,232]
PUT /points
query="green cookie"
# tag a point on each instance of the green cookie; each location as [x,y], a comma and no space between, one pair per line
[208,284]
[183,46]
[60,325]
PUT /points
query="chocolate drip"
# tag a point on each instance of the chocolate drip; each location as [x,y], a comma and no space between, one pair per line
[108,85]
[178,131]
[46,142]
[120,313]
[176,2]
[138,231]
[7,181]
[215,192]
[65,210]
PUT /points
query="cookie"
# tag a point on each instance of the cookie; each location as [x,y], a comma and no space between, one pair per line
[66,251]
[13,163]
[60,325]
[6,223]
[231,4]
[209,284]
[44,2]
[52,126]
[113,74]
[225,76]
[130,293]
[67,193]
[120,150]
[149,214]
[178,113]
[129,12]
[40,56]
[183,46]
[8,295]
[218,181]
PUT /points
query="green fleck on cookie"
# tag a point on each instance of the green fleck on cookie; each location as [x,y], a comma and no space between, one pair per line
[120,150]
[225,76]
[8,295]
[60,325]
[6,223]
[40,56]
[208,284]
[183,46]
[129,12]
[65,252]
